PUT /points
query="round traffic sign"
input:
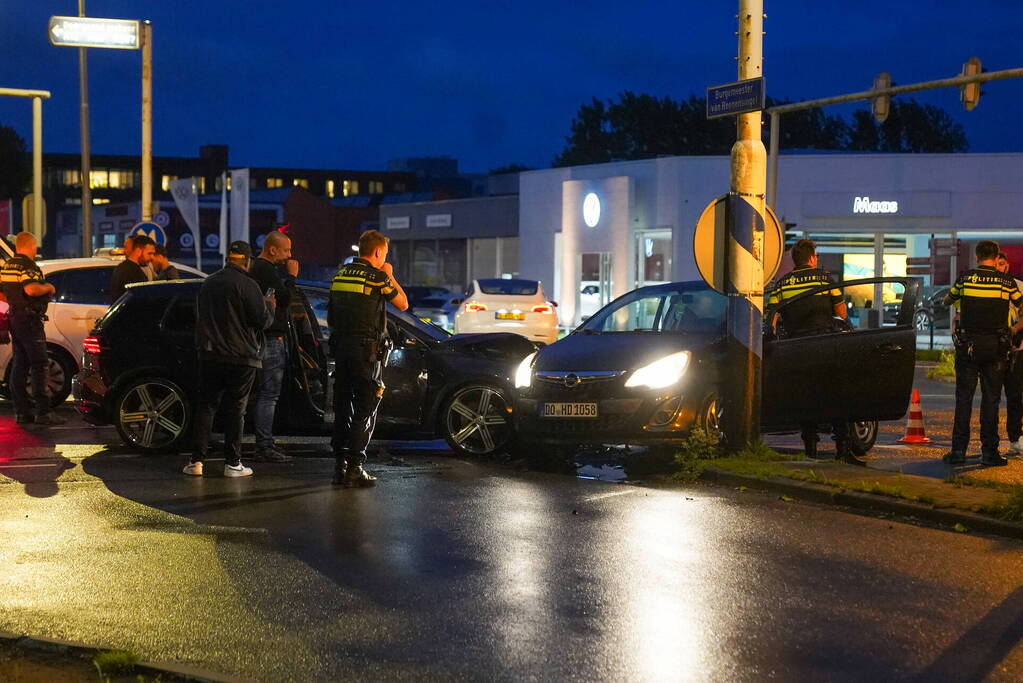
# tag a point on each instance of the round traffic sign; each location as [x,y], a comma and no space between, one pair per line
[161,218]
[150,230]
[710,241]
[212,240]
[186,240]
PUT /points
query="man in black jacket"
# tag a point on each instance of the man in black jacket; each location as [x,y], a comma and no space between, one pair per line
[230,319]
[130,270]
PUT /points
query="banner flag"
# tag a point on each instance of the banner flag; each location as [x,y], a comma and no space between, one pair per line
[187,201]
[239,205]
[223,215]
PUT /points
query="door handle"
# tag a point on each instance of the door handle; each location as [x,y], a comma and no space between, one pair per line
[888,347]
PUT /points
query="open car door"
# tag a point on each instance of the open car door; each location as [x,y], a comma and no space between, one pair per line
[851,374]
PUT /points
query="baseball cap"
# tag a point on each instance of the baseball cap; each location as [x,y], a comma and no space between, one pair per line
[240,248]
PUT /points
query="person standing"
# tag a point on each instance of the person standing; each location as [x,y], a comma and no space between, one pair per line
[982,295]
[162,266]
[812,315]
[230,318]
[1013,372]
[28,295]
[358,332]
[129,271]
[273,269]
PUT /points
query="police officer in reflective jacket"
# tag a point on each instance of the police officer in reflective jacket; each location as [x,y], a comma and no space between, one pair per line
[359,344]
[812,315]
[982,343]
[28,294]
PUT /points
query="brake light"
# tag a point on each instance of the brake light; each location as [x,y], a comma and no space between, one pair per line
[543,308]
[92,345]
[475,307]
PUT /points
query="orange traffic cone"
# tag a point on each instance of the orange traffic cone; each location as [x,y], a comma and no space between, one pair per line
[915,423]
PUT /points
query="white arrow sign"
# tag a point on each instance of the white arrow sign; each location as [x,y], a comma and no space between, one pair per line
[120,34]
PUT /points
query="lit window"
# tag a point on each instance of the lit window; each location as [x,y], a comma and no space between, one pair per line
[275,182]
[99,179]
[376,187]
[201,185]
[71,178]
[165,182]
[100,200]
[228,183]
[351,187]
[330,188]
[301,182]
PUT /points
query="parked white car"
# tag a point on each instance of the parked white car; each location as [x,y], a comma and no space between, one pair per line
[83,286]
[518,306]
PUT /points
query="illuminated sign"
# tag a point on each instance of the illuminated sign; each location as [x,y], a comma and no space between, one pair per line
[865,205]
[121,34]
[591,210]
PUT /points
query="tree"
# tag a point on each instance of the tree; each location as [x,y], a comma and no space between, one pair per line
[910,127]
[15,166]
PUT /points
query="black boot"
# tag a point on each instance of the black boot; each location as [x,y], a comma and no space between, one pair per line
[340,470]
[810,440]
[356,477]
[846,455]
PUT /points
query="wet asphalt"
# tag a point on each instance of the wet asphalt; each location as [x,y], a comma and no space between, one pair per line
[453,569]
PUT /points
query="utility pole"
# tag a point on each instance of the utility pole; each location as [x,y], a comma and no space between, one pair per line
[745,250]
[83,87]
[147,121]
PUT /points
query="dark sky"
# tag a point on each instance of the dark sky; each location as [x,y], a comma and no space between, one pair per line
[331,84]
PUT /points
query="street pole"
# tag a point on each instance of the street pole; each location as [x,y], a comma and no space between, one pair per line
[37,167]
[147,121]
[745,258]
[772,159]
[83,87]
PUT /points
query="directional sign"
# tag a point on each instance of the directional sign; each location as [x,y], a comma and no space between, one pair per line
[150,230]
[740,97]
[120,34]
[710,244]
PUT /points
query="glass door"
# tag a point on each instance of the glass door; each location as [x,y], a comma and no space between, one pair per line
[594,282]
[653,257]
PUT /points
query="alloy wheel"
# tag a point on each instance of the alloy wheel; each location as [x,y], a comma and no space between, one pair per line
[153,414]
[477,420]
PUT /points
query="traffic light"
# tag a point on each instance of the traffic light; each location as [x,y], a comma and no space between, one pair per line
[882,103]
[969,94]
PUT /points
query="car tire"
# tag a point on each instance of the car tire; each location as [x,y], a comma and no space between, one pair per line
[709,420]
[153,415]
[922,320]
[475,420]
[59,372]
[862,436]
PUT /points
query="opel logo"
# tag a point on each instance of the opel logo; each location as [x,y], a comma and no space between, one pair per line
[571,380]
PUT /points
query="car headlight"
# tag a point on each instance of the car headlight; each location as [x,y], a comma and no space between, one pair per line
[524,373]
[661,373]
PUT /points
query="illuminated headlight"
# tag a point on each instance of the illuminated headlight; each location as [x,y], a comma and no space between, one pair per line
[524,373]
[661,373]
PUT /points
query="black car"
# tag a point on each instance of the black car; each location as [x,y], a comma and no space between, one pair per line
[647,368]
[932,310]
[139,373]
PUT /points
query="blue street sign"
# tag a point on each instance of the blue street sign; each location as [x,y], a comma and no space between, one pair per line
[150,230]
[740,97]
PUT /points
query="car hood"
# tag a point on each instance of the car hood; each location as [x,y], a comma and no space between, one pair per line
[492,344]
[614,351]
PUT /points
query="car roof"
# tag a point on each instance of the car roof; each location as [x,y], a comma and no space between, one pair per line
[50,265]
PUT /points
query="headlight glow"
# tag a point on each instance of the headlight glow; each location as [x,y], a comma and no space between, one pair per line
[661,373]
[524,373]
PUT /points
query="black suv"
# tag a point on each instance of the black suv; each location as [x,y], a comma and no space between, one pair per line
[139,373]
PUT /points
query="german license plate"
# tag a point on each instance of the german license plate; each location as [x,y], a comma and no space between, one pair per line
[507,315]
[569,410]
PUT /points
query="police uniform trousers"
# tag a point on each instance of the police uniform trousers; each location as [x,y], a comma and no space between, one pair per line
[358,390]
[29,349]
[1014,396]
[978,356]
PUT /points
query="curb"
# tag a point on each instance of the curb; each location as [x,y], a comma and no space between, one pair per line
[827,495]
[67,647]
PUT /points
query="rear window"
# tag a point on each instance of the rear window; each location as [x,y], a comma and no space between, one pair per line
[509,287]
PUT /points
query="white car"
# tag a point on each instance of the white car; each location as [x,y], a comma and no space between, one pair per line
[82,297]
[518,306]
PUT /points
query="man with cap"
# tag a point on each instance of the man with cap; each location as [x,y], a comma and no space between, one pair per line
[231,314]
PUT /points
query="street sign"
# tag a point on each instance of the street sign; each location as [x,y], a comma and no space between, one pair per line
[150,230]
[119,34]
[710,242]
[944,246]
[161,218]
[731,99]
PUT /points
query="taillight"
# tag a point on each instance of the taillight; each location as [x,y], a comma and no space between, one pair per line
[92,345]
[475,307]
[543,308]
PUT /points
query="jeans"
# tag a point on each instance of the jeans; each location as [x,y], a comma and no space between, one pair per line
[990,372]
[357,394]
[29,348]
[1014,396]
[268,390]
[230,384]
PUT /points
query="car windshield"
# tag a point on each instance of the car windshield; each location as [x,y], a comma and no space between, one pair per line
[509,287]
[688,307]
[432,303]
[426,328]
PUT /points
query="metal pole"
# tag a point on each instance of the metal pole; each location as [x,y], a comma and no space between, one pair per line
[745,260]
[83,88]
[147,121]
[772,161]
[879,272]
[37,167]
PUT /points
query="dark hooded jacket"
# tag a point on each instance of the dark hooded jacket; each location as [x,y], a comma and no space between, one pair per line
[232,315]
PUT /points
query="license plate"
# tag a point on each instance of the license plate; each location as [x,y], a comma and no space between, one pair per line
[510,316]
[569,410]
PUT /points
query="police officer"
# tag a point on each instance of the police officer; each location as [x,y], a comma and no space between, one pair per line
[812,315]
[358,341]
[28,294]
[982,339]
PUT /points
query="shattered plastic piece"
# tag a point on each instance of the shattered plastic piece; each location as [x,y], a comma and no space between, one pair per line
[960,528]
[785,498]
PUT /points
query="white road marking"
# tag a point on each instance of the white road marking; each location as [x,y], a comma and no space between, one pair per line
[9,467]
[601,496]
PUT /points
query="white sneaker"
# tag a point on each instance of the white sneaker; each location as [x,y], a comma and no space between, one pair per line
[238,470]
[1016,447]
[193,468]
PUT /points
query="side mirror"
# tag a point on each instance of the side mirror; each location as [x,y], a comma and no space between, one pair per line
[554,303]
